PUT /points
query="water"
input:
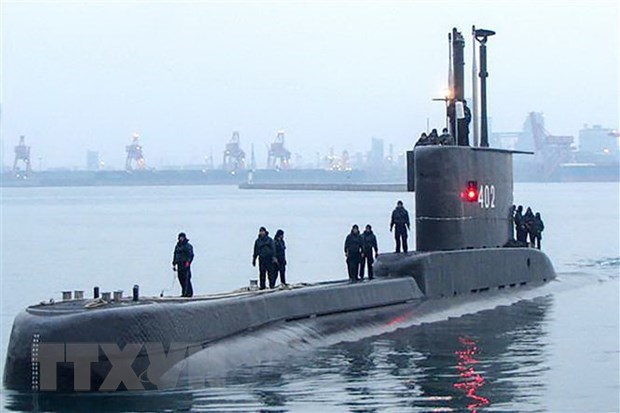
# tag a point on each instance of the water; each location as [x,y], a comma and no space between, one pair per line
[551,349]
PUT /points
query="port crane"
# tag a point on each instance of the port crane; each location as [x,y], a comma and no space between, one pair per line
[22,153]
[278,156]
[550,150]
[134,154]
[234,156]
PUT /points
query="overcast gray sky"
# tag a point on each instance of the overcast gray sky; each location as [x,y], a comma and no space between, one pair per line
[86,75]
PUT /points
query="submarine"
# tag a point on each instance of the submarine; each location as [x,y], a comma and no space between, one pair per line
[464,248]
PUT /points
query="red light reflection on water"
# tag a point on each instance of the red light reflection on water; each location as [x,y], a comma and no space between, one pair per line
[396,320]
[471,381]
[399,319]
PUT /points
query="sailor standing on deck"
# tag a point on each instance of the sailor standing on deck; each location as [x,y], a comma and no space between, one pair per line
[181,263]
[369,244]
[264,250]
[353,250]
[528,222]
[400,220]
[538,227]
[520,225]
[280,265]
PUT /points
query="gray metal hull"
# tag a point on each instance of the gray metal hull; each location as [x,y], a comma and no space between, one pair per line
[186,326]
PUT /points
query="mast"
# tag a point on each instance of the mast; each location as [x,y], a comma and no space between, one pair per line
[474,86]
[456,110]
[458,62]
[450,72]
[482,36]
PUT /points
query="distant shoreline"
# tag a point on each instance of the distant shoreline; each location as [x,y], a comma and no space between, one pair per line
[329,187]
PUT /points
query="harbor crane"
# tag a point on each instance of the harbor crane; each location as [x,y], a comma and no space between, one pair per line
[134,154]
[22,153]
[550,150]
[234,156]
[279,156]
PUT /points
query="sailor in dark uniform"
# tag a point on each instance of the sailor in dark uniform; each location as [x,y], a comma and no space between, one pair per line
[433,137]
[423,141]
[460,127]
[464,123]
[445,138]
[528,223]
[264,250]
[400,220]
[538,227]
[520,225]
[280,264]
[181,263]
[370,250]
[353,251]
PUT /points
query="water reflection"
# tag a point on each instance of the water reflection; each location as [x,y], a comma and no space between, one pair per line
[491,360]
[471,379]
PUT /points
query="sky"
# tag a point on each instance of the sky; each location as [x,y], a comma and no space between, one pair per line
[78,76]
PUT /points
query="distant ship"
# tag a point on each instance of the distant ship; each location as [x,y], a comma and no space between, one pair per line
[463,201]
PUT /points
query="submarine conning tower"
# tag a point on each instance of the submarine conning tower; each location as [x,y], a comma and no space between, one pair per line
[463,194]
[463,197]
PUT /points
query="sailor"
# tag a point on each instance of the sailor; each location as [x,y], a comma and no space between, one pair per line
[264,250]
[369,243]
[353,245]
[445,138]
[423,141]
[280,254]
[465,122]
[181,263]
[433,137]
[528,223]
[520,225]
[400,220]
[537,228]
[461,126]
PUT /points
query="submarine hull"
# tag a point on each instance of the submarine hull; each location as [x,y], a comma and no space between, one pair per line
[464,220]
[45,338]
[51,344]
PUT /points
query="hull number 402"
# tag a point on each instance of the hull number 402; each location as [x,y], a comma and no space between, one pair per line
[486,196]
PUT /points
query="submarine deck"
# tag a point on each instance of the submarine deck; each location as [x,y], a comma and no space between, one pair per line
[437,274]
[75,306]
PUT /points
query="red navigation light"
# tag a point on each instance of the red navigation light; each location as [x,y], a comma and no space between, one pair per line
[471,193]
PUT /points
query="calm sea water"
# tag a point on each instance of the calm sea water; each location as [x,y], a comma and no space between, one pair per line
[552,349]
